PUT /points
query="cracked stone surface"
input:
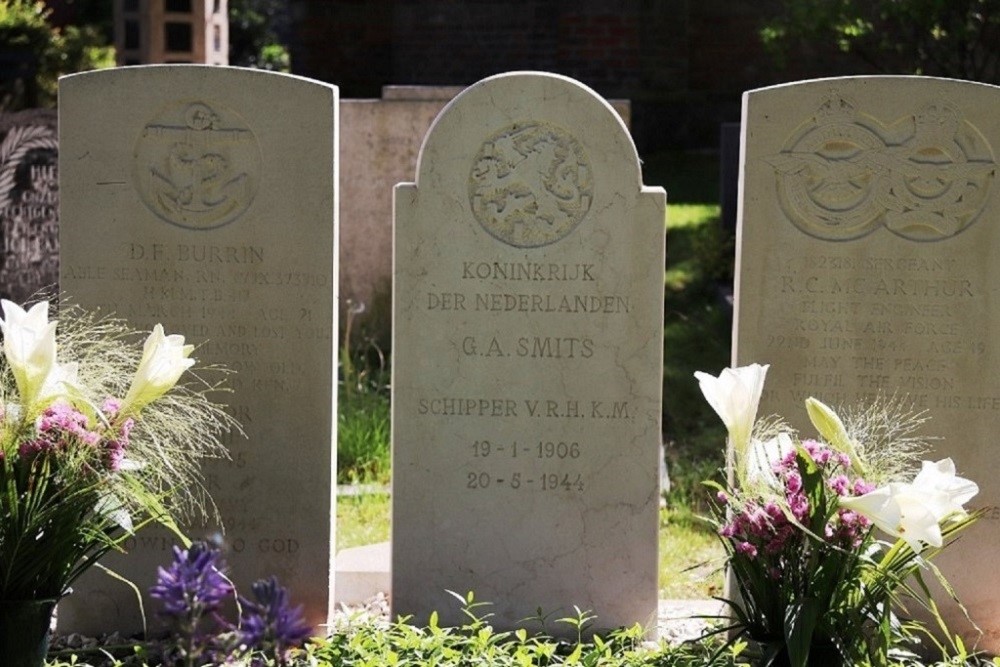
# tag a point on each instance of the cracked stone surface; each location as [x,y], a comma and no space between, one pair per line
[868,266]
[527,360]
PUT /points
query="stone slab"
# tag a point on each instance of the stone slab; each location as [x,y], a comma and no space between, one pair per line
[205,198]
[363,572]
[527,361]
[868,264]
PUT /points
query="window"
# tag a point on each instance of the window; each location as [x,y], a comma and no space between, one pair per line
[178,6]
[130,5]
[179,36]
[131,34]
[217,38]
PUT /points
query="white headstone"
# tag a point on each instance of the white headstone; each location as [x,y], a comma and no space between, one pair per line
[527,361]
[867,265]
[205,198]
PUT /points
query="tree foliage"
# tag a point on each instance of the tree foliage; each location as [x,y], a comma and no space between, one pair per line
[34,54]
[256,34]
[951,38]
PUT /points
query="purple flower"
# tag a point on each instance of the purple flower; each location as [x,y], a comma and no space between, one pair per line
[270,620]
[747,549]
[193,584]
[114,450]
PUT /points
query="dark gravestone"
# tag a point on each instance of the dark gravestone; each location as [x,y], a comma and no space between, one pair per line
[29,203]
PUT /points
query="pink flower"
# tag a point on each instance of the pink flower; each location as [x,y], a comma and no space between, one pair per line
[773,511]
[747,549]
[840,484]
[799,506]
[111,406]
[794,482]
[861,487]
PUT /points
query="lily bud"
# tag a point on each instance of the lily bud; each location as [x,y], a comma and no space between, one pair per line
[29,343]
[164,359]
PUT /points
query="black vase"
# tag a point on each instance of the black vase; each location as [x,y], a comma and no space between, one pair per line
[25,631]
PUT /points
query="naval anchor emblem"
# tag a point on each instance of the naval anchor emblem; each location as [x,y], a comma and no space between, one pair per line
[531,184]
[197,165]
[843,174]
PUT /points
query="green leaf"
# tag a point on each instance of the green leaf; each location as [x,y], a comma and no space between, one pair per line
[800,624]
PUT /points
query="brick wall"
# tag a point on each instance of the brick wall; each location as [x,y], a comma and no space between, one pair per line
[683,63]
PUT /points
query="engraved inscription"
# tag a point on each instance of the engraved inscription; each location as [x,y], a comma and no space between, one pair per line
[531,184]
[29,202]
[197,165]
[843,174]
[902,328]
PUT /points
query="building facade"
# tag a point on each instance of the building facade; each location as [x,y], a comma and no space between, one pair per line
[171,31]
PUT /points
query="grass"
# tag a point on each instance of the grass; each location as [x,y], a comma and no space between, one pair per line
[362,519]
[363,438]
[690,556]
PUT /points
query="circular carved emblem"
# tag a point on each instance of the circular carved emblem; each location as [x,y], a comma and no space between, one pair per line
[843,174]
[531,184]
[197,165]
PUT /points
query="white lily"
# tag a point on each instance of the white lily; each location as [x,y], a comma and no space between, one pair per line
[940,478]
[762,456]
[29,343]
[61,382]
[735,396]
[164,359]
[914,511]
[828,424]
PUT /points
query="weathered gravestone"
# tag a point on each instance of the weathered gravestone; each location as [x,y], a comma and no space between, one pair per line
[29,203]
[527,360]
[205,198]
[870,227]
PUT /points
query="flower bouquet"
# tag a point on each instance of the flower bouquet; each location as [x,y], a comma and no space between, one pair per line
[94,444]
[803,520]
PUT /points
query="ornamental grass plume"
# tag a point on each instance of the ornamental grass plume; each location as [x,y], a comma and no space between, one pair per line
[816,581]
[80,469]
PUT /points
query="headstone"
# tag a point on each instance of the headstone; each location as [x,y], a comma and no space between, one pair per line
[380,141]
[527,361]
[205,198]
[868,265]
[29,203]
